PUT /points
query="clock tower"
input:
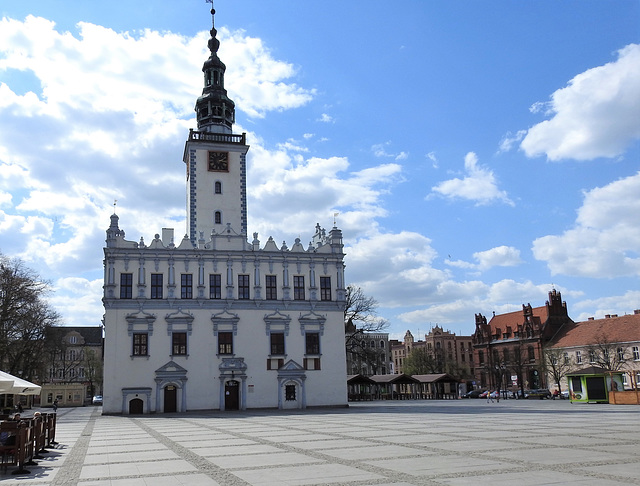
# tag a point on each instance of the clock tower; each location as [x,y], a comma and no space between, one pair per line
[215,159]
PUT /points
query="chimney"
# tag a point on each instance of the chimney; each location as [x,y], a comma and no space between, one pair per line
[591,318]
[636,312]
[607,316]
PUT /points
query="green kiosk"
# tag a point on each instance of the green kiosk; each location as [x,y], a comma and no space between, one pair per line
[593,384]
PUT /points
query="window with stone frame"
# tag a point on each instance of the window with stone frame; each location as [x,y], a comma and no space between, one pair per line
[271,282]
[276,343]
[140,344]
[178,343]
[298,287]
[156,285]
[243,287]
[325,288]
[225,342]
[312,342]
[126,285]
[186,286]
[215,286]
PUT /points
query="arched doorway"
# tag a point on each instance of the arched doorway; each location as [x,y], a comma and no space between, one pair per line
[232,395]
[170,399]
[136,406]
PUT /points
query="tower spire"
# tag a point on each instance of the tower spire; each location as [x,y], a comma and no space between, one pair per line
[215,112]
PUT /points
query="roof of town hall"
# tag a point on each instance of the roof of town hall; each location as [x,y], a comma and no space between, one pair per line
[611,329]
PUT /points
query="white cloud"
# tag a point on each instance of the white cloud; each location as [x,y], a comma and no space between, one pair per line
[379,150]
[324,118]
[78,300]
[627,303]
[479,185]
[316,187]
[605,239]
[402,277]
[434,160]
[457,302]
[596,115]
[255,80]
[500,256]
[510,139]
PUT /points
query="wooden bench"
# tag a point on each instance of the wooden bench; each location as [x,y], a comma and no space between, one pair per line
[15,454]
[31,437]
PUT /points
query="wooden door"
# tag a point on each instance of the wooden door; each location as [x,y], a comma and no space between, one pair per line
[170,399]
[232,395]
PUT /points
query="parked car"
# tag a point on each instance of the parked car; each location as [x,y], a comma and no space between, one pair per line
[97,400]
[564,394]
[473,394]
[540,393]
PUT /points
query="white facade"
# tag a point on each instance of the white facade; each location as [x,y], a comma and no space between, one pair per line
[218,322]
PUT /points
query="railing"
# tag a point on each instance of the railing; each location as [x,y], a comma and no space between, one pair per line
[218,137]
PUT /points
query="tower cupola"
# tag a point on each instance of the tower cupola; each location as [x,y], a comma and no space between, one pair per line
[215,112]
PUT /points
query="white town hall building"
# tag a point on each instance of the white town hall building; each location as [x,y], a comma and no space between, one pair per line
[215,322]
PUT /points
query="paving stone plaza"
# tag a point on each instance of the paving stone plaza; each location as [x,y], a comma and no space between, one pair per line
[514,442]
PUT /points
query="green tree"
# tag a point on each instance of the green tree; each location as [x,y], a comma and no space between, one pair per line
[420,362]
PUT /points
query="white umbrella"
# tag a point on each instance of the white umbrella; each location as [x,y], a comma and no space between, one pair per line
[13,385]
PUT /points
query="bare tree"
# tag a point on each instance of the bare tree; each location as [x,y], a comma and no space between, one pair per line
[93,369]
[607,355]
[360,318]
[558,364]
[25,316]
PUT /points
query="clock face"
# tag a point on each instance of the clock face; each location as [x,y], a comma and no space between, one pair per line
[219,161]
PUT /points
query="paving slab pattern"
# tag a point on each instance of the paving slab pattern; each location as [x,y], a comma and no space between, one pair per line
[376,443]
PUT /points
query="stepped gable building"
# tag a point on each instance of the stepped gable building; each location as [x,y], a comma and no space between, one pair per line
[214,321]
[508,349]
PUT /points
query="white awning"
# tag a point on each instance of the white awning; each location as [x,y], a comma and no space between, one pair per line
[13,385]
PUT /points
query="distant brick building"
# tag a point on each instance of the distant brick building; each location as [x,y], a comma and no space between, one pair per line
[508,350]
[450,353]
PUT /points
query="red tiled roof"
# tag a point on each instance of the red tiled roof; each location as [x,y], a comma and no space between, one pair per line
[613,330]
[514,319]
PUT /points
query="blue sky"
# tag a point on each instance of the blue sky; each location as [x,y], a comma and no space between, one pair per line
[479,154]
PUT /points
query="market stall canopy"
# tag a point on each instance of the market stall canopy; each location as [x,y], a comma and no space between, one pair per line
[13,385]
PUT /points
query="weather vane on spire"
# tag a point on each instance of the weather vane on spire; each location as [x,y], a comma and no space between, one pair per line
[213,11]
